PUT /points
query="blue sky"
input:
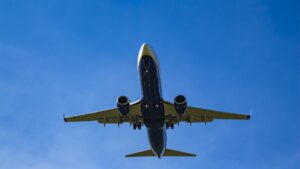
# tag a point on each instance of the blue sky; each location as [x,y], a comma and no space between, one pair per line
[78,56]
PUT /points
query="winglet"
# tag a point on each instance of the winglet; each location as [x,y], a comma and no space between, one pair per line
[248,117]
[65,119]
[250,114]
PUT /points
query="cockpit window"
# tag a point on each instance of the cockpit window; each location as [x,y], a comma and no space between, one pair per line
[147,62]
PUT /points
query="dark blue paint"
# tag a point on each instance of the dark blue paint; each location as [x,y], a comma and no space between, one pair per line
[152,106]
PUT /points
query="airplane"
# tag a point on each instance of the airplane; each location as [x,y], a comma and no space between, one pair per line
[152,111]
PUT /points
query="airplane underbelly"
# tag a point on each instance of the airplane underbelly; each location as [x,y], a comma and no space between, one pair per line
[157,140]
[152,106]
[153,115]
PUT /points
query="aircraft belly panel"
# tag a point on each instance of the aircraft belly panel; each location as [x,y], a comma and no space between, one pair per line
[152,106]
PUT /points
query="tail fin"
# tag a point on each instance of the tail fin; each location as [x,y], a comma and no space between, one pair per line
[168,152]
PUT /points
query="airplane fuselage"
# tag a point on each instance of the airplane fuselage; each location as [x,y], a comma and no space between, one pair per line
[152,106]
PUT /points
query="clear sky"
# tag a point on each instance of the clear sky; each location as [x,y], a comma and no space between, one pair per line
[78,56]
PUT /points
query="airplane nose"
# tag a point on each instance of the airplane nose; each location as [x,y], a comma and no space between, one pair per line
[146,50]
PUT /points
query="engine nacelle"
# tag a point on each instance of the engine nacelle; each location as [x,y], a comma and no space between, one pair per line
[180,104]
[123,105]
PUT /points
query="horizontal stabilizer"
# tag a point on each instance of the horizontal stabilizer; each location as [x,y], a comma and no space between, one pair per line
[168,152]
[147,153]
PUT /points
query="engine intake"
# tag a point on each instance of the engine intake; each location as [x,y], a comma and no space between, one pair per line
[180,104]
[123,105]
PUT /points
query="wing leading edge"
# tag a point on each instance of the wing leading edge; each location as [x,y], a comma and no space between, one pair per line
[194,114]
[110,115]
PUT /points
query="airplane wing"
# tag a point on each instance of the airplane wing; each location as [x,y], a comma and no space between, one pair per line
[111,115]
[194,114]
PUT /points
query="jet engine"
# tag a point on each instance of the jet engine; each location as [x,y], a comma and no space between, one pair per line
[123,105]
[180,104]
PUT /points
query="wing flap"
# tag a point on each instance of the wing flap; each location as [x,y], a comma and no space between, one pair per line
[108,116]
[200,112]
[194,114]
[93,116]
